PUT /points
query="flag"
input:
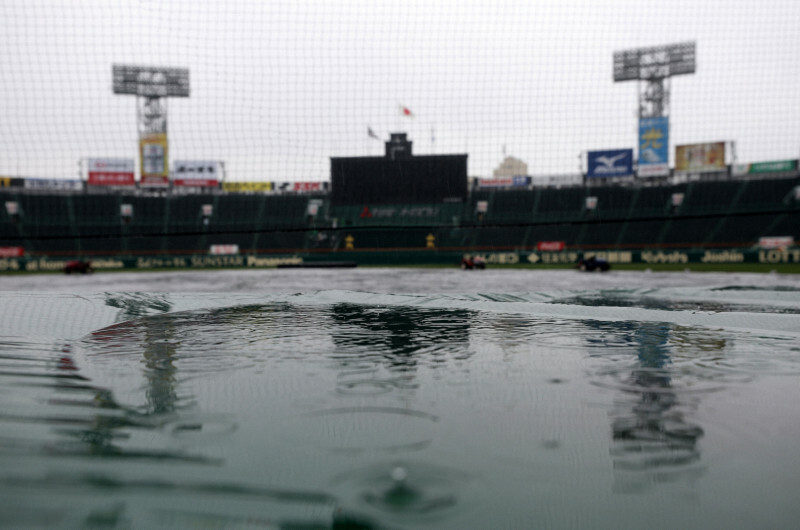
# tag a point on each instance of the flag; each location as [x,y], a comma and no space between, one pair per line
[405,111]
[371,133]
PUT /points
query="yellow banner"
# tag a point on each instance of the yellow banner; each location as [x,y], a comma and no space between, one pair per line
[246,186]
[700,157]
[154,155]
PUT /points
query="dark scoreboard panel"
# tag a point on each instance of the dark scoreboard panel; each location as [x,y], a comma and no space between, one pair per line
[418,179]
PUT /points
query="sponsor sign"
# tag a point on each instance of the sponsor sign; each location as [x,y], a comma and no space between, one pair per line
[111,179]
[247,186]
[700,157]
[196,261]
[196,183]
[207,169]
[195,173]
[498,182]
[653,147]
[154,155]
[562,258]
[522,180]
[11,252]
[779,256]
[12,182]
[111,165]
[776,242]
[591,203]
[722,256]
[677,199]
[664,257]
[550,246]
[610,163]
[399,211]
[12,207]
[505,182]
[482,206]
[308,186]
[54,184]
[223,250]
[153,181]
[126,210]
[301,186]
[778,166]
[111,172]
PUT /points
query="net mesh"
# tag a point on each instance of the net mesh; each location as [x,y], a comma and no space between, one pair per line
[277,88]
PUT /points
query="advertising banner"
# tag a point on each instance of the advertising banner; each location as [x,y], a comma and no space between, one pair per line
[54,184]
[246,187]
[610,163]
[499,182]
[196,183]
[12,182]
[224,250]
[700,157]
[154,155]
[776,242]
[308,186]
[111,172]
[653,147]
[302,186]
[505,182]
[207,169]
[12,252]
[551,246]
[777,166]
[152,181]
[195,173]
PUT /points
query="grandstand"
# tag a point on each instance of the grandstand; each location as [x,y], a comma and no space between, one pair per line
[732,214]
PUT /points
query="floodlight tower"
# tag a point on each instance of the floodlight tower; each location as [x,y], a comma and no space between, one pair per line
[152,86]
[653,67]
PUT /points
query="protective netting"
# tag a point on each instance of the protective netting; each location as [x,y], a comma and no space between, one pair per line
[277,88]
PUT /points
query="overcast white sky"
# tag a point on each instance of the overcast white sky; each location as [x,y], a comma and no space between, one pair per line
[278,87]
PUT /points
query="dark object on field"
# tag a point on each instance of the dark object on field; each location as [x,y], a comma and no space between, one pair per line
[592,264]
[473,263]
[78,266]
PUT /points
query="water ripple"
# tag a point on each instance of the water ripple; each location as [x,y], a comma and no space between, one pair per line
[407,491]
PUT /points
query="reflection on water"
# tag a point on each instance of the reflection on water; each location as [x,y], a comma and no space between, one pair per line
[649,424]
[343,413]
[623,299]
[134,305]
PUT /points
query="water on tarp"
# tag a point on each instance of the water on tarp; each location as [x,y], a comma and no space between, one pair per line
[400,398]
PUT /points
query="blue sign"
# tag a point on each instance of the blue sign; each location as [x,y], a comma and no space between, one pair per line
[653,147]
[522,180]
[610,163]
